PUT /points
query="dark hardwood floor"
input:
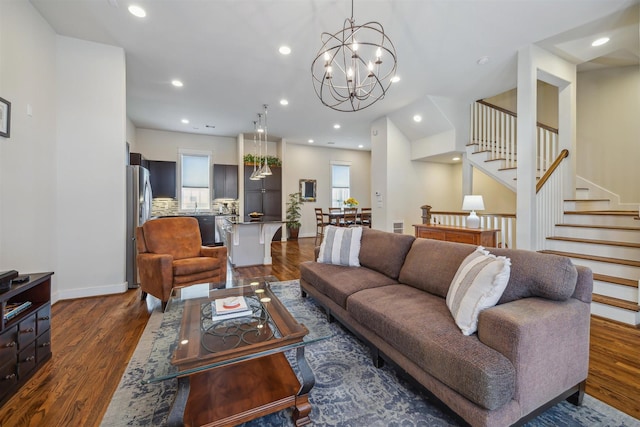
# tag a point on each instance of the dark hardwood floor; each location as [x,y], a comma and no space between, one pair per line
[94,338]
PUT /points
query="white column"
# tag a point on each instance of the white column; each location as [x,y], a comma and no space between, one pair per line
[526,130]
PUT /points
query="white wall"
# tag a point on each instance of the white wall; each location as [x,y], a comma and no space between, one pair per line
[91,135]
[313,162]
[609,130]
[27,159]
[405,185]
[163,145]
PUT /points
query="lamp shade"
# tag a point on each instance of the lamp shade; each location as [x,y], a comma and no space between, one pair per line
[472,203]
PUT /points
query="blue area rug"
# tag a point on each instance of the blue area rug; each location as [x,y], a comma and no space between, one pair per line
[349,390]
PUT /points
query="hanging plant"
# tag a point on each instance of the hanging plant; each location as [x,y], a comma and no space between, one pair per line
[251,159]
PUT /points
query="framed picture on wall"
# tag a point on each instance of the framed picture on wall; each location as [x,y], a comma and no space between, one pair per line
[5,117]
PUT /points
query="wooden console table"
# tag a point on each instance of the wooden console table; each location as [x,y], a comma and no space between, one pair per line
[475,236]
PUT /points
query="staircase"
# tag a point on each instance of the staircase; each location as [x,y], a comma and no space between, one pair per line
[594,229]
[607,241]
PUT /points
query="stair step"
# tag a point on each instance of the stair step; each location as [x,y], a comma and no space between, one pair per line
[616,280]
[608,227]
[616,302]
[619,261]
[603,212]
[596,242]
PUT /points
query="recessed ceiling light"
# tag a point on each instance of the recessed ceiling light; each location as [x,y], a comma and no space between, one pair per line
[185,121]
[600,41]
[417,118]
[285,50]
[284,102]
[177,83]
[483,60]
[455,159]
[311,141]
[137,11]
[336,126]
[360,146]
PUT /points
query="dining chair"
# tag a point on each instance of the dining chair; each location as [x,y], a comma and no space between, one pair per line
[349,217]
[320,224]
[335,216]
[365,217]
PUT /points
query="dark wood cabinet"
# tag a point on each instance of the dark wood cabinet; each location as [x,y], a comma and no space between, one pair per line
[225,181]
[264,195]
[163,178]
[474,236]
[139,160]
[25,340]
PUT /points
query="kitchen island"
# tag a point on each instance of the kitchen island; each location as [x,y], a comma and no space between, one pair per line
[248,241]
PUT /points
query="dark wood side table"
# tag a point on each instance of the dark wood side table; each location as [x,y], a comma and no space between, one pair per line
[475,236]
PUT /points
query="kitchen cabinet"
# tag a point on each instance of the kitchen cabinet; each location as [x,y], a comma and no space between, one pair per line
[163,178]
[225,181]
[139,160]
[264,195]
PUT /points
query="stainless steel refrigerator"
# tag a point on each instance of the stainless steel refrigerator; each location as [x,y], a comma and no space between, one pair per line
[138,211]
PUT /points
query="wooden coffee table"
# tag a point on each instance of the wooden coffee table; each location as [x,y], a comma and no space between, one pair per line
[233,370]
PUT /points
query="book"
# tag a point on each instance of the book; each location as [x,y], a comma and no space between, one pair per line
[12,309]
[229,308]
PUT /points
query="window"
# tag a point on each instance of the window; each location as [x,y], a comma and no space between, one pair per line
[339,184]
[195,181]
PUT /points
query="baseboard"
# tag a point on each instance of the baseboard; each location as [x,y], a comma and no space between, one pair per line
[94,291]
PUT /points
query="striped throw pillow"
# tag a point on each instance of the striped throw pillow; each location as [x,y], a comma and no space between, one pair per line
[341,246]
[478,284]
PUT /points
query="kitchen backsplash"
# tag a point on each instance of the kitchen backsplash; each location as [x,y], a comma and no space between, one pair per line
[164,207]
[167,207]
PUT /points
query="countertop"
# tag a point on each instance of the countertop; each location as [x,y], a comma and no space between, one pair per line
[263,220]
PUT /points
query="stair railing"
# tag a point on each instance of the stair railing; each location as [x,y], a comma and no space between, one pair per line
[494,130]
[506,223]
[549,200]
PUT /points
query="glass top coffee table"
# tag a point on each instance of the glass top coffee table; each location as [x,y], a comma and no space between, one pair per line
[226,347]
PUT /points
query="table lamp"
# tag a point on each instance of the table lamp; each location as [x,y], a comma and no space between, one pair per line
[473,203]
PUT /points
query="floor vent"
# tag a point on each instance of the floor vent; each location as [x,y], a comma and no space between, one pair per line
[398,227]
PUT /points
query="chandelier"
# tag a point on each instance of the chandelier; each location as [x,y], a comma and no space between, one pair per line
[354,66]
[260,134]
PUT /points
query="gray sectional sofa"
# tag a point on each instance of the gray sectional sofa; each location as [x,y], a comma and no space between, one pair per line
[531,350]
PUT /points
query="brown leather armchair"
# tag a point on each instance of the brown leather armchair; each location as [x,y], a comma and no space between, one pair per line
[170,254]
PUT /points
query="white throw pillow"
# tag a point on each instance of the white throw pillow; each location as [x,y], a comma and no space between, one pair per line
[478,284]
[341,245]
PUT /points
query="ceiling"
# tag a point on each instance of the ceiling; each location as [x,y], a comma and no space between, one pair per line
[226,54]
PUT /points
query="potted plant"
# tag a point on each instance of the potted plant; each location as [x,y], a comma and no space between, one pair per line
[293,215]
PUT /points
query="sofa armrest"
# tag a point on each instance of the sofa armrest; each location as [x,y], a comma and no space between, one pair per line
[547,342]
[156,274]
[214,251]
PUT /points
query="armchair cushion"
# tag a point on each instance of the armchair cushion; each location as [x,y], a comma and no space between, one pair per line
[186,266]
[178,237]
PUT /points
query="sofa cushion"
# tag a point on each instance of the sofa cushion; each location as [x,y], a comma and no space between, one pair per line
[477,285]
[338,281]
[535,274]
[384,252]
[340,246]
[431,264]
[420,326]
